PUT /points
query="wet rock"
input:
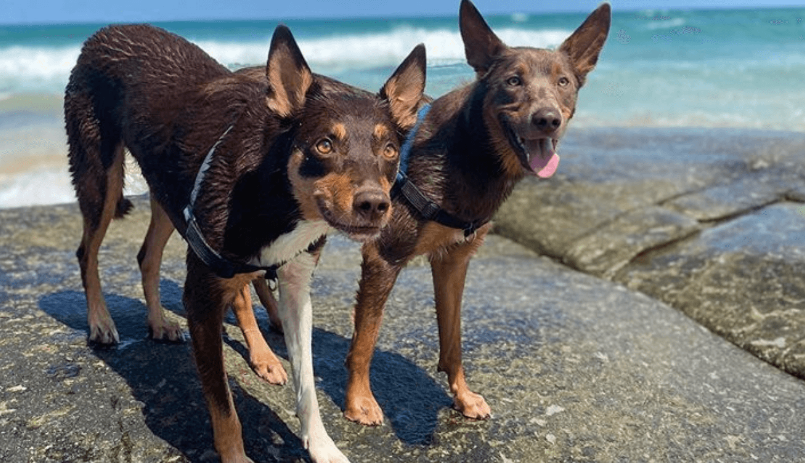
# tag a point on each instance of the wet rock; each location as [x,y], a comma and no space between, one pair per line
[614,244]
[743,279]
[707,221]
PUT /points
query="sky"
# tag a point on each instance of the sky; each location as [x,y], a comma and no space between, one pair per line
[103,11]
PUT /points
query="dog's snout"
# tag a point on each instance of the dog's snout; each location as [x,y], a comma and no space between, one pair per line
[371,204]
[547,119]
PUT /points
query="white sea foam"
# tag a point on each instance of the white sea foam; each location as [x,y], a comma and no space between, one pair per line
[36,187]
[43,69]
[664,23]
[25,69]
[361,51]
[51,185]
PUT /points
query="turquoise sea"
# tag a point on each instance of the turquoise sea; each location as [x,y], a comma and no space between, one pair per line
[660,68]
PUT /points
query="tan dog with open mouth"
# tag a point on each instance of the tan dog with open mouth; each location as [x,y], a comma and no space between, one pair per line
[467,153]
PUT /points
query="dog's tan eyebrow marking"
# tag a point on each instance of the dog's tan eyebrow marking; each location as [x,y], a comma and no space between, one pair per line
[519,68]
[339,131]
[556,69]
[381,132]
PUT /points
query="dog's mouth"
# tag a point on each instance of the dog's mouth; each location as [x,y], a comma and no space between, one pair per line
[360,233]
[538,155]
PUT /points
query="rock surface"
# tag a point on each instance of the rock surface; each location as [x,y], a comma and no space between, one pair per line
[710,222]
[575,367]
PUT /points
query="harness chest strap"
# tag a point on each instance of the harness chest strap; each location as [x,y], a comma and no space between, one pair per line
[222,267]
[428,209]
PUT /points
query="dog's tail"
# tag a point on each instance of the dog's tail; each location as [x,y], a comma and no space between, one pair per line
[124,206]
[95,147]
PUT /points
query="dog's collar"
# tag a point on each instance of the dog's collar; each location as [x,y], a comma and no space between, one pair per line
[428,209]
[221,266]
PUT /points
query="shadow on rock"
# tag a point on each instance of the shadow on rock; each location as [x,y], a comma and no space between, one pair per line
[163,378]
[408,395]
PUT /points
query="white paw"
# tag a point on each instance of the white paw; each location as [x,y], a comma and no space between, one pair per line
[323,450]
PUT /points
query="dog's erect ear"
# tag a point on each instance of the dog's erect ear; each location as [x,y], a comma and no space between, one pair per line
[584,46]
[481,45]
[405,87]
[288,74]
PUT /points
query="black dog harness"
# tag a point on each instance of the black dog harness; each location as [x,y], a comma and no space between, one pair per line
[221,266]
[225,268]
[428,209]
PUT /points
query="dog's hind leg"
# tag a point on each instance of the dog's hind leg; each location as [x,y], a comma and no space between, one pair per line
[296,313]
[269,302]
[449,272]
[261,358]
[96,165]
[100,200]
[149,259]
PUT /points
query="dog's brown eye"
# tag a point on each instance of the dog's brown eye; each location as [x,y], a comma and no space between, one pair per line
[324,146]
[514,81]
[390,151]
[564,81]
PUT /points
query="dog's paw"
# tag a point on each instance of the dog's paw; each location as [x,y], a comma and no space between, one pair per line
[472,405]
[325,451]
[103,333]
[364,410]
[165,330]
[269,369]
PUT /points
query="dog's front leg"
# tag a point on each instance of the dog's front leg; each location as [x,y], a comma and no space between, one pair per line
[206,299]
[295,312]
[449,273]
[377,280]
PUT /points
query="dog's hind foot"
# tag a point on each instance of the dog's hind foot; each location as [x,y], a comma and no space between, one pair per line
[363,410]
[472,405]
[162,329]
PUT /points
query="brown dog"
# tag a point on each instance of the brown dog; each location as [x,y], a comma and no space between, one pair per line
[469,151]
[253,172]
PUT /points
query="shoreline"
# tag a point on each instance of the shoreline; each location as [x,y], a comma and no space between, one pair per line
[34,172]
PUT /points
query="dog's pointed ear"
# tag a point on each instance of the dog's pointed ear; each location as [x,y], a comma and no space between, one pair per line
[405,88]
[584,46]
[289,76]
[481,45]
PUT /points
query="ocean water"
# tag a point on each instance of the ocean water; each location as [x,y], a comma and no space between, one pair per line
[660,68]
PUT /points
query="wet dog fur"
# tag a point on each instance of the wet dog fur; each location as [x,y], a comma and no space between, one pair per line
[473,147]
[305,155]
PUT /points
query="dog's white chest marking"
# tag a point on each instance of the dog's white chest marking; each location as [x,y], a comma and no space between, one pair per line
[289,245]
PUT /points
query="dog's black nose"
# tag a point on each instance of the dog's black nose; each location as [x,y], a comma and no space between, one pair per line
[547,119]
[371,204]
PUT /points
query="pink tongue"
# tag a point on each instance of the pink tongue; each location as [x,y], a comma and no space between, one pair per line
[543,159]
[550,167]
